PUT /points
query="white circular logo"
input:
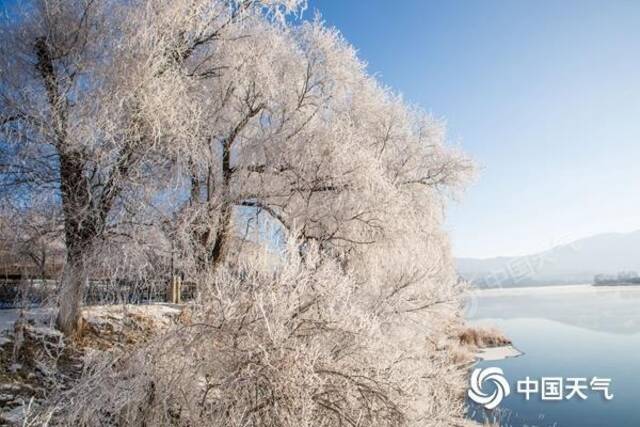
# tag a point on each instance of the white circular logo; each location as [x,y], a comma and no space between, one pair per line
[496,376]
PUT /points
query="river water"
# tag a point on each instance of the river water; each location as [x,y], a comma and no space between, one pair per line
[565,332]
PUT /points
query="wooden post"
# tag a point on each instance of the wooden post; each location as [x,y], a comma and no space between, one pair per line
[171,290]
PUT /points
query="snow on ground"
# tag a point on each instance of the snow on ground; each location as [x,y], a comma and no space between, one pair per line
[23,383]
[9,316]
[159,310]
[498,353]
[93,314]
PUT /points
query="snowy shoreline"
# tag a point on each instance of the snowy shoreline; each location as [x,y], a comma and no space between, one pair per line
[498,353]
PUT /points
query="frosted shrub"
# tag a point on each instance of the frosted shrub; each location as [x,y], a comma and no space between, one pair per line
[292,346]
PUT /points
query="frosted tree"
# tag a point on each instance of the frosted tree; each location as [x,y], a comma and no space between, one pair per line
[80,86]
[160,125]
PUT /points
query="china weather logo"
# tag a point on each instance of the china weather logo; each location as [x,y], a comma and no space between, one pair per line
[500,387]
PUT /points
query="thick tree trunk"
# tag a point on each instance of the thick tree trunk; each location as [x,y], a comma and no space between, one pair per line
[219,246]
[75,198]
[85,209]
[80,227]
[74,281]
[217,251]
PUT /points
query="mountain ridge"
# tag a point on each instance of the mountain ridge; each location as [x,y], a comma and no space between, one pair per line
[572,263]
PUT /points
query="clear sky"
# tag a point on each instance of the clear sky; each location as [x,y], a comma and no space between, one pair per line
[545,95]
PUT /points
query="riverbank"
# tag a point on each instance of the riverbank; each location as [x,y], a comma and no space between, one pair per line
[487,343]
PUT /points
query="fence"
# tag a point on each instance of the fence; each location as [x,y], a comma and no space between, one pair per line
[26,292]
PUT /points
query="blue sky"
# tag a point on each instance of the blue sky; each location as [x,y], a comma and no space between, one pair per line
[545,95]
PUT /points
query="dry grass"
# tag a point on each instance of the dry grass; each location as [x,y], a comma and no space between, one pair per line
[118,326]
[461,354]
[482,337]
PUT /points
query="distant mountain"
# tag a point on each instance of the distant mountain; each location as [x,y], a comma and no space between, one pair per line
[573,263]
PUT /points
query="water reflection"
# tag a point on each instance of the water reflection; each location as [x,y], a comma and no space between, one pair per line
[568,331]
[608,309]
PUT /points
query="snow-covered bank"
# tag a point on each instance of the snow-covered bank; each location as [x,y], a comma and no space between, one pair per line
[36,361]
[498,353]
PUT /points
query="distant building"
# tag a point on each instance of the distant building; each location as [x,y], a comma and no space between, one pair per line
[622,278]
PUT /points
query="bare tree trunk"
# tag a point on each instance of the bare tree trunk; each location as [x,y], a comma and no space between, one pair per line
[80,231]
[219,246]
[79,226]
[71,296]
[217,251]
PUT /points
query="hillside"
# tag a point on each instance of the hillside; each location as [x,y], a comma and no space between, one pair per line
[576,262]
